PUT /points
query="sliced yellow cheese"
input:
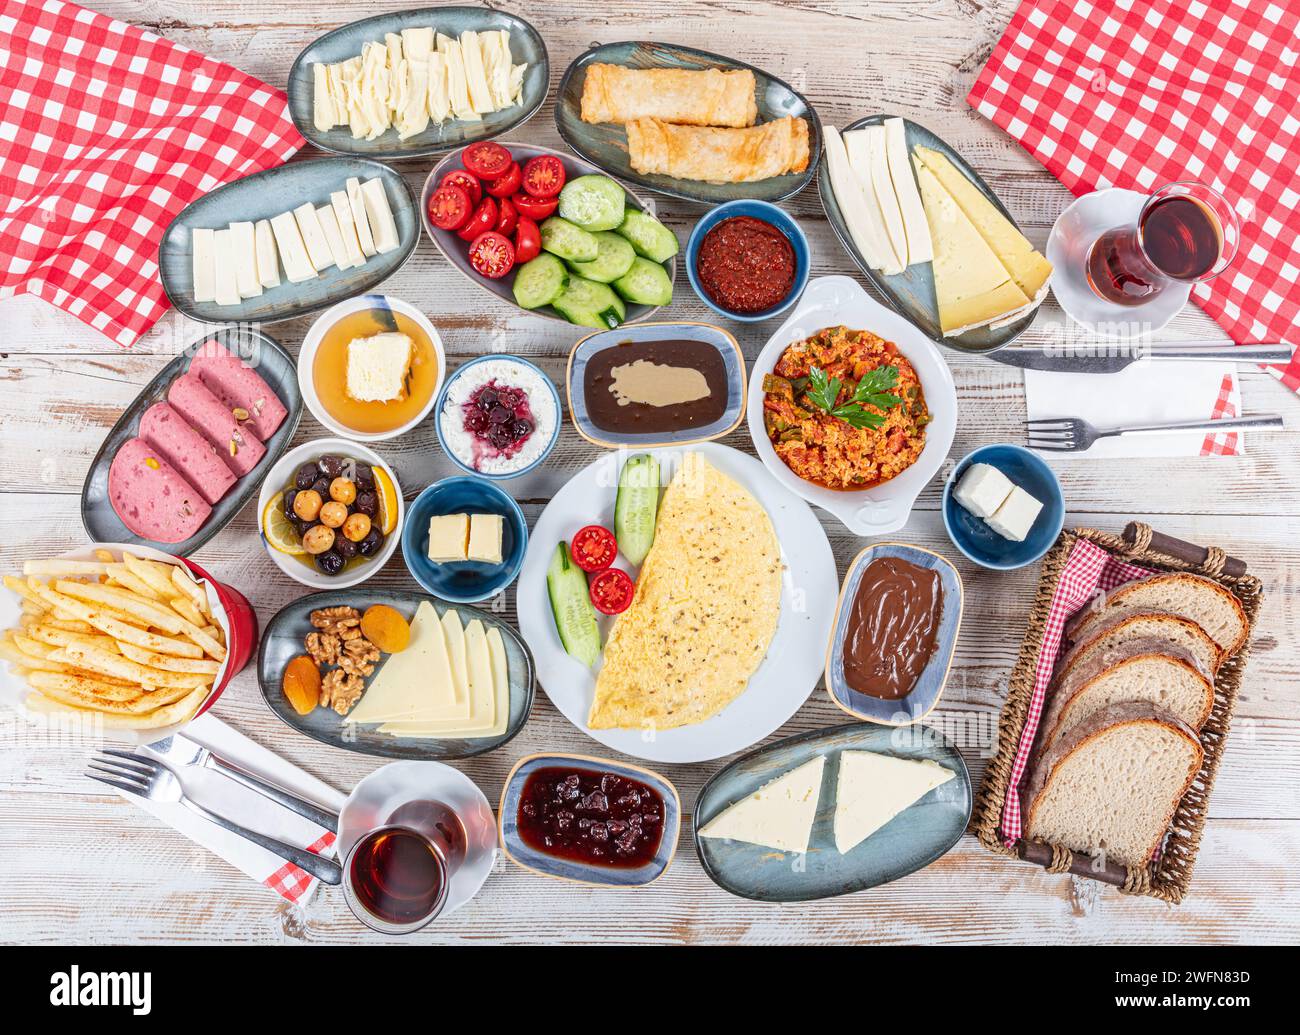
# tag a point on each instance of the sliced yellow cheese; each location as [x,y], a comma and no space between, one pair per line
[455,634]
[415,685]
[919,248]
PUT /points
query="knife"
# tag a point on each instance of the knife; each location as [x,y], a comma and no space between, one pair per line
[1108,358]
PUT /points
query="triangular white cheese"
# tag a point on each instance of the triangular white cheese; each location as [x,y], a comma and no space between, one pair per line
[873,789]
[778,815]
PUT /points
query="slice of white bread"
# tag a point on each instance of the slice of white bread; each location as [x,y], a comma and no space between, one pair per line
[1211,606]
[1139,670]
[1111,632]
[1111,783]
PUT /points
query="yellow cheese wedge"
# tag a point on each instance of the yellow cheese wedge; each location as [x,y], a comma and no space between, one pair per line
[455,634]
[415,685]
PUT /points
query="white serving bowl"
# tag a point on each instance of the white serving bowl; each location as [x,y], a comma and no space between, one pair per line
[311,345]
[280,476]
[828,302]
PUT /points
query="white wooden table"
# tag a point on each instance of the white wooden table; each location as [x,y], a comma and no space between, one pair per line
[88,867]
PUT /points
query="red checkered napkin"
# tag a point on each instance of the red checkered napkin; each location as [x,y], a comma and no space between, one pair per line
[1137,93]
[1088,570]
[106,133]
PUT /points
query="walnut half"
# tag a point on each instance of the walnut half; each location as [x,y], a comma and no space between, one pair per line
[337,620]
[324,647]
[358,657]
[340,690]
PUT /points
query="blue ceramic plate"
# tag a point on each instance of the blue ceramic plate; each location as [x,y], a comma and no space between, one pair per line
[912,291]
[267,194]
[468,581]
[276,368]
[972,535]
[913,839]
[283,640]
[768,214]
[606,143]
[570,869]
[925,695]
[526,47]
[601,340]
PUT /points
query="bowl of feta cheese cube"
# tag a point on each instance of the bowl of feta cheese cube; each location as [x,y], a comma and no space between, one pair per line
[1003,507]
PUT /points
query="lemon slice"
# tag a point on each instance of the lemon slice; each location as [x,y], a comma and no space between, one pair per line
[386,491]
[278,529]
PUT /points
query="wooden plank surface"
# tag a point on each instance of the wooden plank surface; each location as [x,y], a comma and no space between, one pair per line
[89,867]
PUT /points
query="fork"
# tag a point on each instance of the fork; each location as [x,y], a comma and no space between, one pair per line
[155,781]
[1072,434]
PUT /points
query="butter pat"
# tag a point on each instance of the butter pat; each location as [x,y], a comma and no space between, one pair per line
[982,489]
[448,538]
[1016,516]
[377,367]
[485,532]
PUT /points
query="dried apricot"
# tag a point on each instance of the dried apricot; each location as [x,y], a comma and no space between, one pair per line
[301,684]
[386,628]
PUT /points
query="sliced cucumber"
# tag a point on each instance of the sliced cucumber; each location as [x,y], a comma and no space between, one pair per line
[646,283]
[590,304]
[562,238]
[648,236]
[613,260]
[540,281]
[637,506]
[593,202]
[575,620]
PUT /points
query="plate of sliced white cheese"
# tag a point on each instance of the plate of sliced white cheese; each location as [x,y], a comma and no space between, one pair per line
[288,241]
[832,812]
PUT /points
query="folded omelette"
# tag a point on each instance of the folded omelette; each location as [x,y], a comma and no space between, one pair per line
[705,610]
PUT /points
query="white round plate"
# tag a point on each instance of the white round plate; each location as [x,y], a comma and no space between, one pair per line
[795,657]
[1072,235]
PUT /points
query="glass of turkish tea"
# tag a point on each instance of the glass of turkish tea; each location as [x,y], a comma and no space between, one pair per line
[1187,232]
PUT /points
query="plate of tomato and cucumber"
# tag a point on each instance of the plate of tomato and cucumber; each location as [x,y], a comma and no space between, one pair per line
[549,233]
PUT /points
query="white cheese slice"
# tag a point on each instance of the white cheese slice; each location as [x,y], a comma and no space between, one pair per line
[374,87]
[778,815]
[245,245]
[360,221]
[318,249]
[873,789]
[268,266]
[457,85]
[329,224]
[414,117]
[205,270]
[496,66]
[919,247]
[347,228]
[867,233]
[380,215]
[396,55]
[335,78]
[226,287]
[414,684]
[881,204]
[322,108]
[439,99]
[293,253]
[417,43]
[480,97]
[517,82]
[455,633]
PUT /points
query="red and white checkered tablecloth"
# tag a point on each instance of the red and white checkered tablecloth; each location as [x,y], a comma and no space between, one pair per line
[106,133]
[1137,93]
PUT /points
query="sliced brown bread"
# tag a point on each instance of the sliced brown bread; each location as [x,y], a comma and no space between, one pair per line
[1139,670]
[1110,784]
[1211,606]
[1111,632]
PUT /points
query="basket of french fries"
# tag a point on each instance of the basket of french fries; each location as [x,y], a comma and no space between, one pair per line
[129,640]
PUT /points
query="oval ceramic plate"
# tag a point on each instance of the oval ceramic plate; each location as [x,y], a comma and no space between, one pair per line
[914,838]
[606,143]
[526,47]
[274,365]
[912,291]
[456,251]
[720,339]
[925,694]
[283,639]
[267,194]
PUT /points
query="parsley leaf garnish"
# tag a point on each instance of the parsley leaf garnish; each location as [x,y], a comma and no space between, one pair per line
[872,390]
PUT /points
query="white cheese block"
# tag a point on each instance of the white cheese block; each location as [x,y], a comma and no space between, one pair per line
[517,83]
[413,119]
[866,149]
[323,114]
[855,145]
[867,232]
[293,253]
[448,538]
[778,815]
[873,789]
[245,245]
[415,684]
[374,87]
[205,270]
[919,246]
[1016,516]
[457,85]
[486,532]
[438,98]
[347,228]
[480,97]
[313,236]
[268,265]
[329,225]
[981,489]
[380,215]
[359,218]
[226,289]
[417,44]
[396,56]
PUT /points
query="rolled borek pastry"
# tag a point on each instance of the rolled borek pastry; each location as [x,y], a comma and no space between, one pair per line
[702,97]
[719,155]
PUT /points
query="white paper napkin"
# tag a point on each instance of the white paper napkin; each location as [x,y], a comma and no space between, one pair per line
[1146,392]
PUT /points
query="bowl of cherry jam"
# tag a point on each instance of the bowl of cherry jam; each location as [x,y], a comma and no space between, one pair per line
[589,820]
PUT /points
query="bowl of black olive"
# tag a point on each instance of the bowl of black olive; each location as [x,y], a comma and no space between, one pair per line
[331,513]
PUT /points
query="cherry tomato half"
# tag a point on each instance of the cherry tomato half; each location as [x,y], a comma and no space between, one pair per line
[487,159]
[507,183]
[543,176]
[492,255]
[483,220]
[594,548]
[528,240]
[450,207]
[612,591]
[535,208]
[507,217]
[462,179]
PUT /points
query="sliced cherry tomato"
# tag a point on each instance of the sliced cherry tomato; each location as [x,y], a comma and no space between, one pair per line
[460,178]
[507,217]
[612,591]
[535,208]
[543,176]
[594,548]
[487,159]
[450,207]
[528,240]
[492,255]
[507,183]
[483,220]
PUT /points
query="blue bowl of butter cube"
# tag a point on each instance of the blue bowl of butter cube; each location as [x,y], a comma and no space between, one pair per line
[464,539]
[1003,507]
